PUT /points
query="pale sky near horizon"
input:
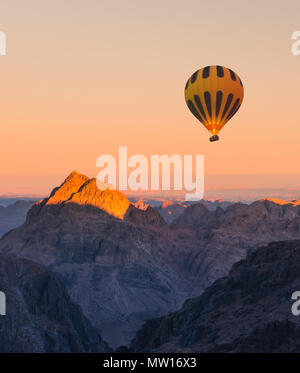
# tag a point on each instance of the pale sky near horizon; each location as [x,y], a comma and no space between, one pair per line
[82,78]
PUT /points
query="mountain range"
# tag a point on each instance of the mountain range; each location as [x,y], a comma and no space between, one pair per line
[106,253]
[40,316]
[13,215]
[123,264]
[247,311]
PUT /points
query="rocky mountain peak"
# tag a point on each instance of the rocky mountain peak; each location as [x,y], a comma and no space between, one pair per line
[141,205]
[281,202]
[112,201]
[81,190]
[71,185]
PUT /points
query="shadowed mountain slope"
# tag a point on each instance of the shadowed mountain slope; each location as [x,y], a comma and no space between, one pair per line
[207,243]
[124,265]
[247,311]
[113,267]
[40,316]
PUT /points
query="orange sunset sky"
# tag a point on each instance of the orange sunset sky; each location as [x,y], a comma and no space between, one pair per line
[81,78]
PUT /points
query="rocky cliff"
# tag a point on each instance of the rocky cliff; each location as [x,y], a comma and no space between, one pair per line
[107,254]
[247,311]
[207,243]
[124,265]
[40,316]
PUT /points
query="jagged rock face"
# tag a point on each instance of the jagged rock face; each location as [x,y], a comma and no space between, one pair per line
[70,186]
[214,205]
[148,218]
[40,316]
[124,265]
[207,243]
[81,190]
[197,216]
[170,211]
[13,215]
[113,268]
[141,205]
[247,311]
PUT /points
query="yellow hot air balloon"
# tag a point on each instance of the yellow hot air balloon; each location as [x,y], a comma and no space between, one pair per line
[214,94]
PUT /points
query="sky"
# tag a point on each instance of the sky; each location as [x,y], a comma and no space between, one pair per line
[81,78]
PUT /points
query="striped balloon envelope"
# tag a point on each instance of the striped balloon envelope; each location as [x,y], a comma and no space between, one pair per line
[214,94]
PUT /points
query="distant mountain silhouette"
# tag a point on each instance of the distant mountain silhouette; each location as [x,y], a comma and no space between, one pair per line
[172,210]
[13,215]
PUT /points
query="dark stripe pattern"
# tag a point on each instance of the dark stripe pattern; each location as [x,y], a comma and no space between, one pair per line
[207,102]
[232,75]
[227,105]
[206,71]
[191,106]
[234,109]
[218,102]
[200,107]
[194,76]
[220,71]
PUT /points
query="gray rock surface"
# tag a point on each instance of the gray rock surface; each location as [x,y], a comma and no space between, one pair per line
[124,265]
[40,316]
[247,311]
[207,243]
[113,268]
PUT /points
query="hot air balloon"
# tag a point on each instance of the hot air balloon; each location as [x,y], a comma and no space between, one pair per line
[214,94]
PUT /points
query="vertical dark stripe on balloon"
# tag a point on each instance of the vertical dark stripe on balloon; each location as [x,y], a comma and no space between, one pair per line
[191,106]
[241,82]
[232,111]
[187,84]
[200,107]
[194,76]
[220,71]
[229,117]
[206,72]
[218,102]
[232,74]
[208,102]
[228,102]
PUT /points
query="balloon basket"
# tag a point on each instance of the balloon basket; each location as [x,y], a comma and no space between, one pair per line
[214,138]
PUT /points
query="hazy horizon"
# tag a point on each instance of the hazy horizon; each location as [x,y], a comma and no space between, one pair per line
[227,187]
